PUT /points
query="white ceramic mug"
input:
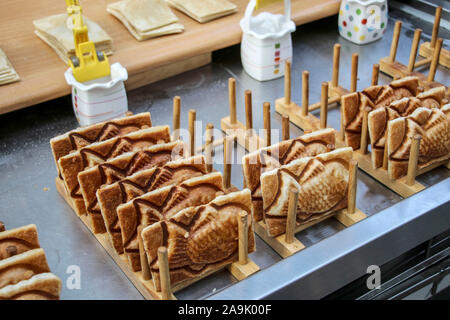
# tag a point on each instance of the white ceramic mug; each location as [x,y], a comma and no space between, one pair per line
[363,21]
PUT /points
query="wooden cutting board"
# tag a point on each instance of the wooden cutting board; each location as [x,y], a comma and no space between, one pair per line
[42,72]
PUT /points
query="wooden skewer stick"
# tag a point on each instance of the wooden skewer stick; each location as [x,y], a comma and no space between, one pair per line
[176,117]
[394,44]
[285,128]
[352,179]
[243,237]
[232,99]
[248,111]
[354,75]
[375,74]
[324,105]
[435,60]
[336,57]
[209,147]
[413,160]
[192,116]
[266,119]
[287,82]
[414,47]
[364,131]
[305,93]
[437,22]
[164,273]
[292,215]
[144,261]
[227,151]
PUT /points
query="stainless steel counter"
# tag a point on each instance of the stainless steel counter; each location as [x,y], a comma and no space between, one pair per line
[333,257]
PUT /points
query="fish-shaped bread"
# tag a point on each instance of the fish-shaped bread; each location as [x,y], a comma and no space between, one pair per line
[378,118]
[353,105]
[117,168]
[255,163]
[433,125]
[199,239]
[43,286]
[162,203]
[111,196]
[18,240]
[22,266]
[322,184]
[81,137]
[99,152]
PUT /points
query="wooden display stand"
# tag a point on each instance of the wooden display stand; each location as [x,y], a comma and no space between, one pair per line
[427,48]
[245,135]
[286,244]
[398,70]
[405,186]
[331,93]
[142,279]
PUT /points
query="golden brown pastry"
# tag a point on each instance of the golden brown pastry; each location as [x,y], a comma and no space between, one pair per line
[255,163]
[43,286]
[17,241]
[353,104]
[81,137]
[322,183]
[378,118]
[117,168]
[2,226]
[99,152]
[433,125]
[199,239]
[111,196]
[22,267]
[161,204]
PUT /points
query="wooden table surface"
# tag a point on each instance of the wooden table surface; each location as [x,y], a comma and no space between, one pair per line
[42,71]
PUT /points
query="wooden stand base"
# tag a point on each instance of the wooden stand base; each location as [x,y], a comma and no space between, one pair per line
[306,123]
[425,50]
[398,70]
[147,287]
[285,249]
[399,186]
[238,130]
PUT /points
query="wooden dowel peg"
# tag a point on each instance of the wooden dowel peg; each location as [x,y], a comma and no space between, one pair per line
[232,99]
[394,44]
[287,82]
[227,152]
[164,273]
[292,215]
[192,116]
[414,47]
[248,111]
[209,147]
[354,75]
[435,60]
[375,74]
[143,256]
[266,118]
[324,105]
[364,131]
[352,182]
[285,134]
[243,237]
[305,93]
[336,57]
[342,127]
[176,117]
[413,160]
[437,22]
[422,62]
[385,153]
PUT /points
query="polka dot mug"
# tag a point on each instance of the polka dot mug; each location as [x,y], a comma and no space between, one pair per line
[363,21]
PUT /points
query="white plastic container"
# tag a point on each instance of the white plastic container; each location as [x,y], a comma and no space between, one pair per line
[100,99]
[266,42]
[363,21]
